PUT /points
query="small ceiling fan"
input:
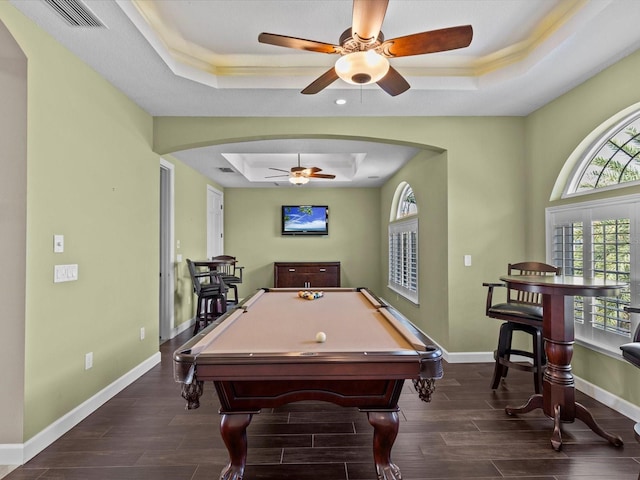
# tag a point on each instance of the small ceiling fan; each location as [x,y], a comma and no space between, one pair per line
[300,175]
[364,51]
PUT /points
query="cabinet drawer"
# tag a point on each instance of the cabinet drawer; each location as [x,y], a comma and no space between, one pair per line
[307,274]
[312,269]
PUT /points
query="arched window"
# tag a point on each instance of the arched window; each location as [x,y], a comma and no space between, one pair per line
[612,160]
[403,243]
[407,202]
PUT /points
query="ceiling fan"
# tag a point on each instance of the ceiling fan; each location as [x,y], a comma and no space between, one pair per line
[364,51]
[300,175]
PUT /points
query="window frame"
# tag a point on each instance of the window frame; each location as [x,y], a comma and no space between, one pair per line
[592,144]
[406,206]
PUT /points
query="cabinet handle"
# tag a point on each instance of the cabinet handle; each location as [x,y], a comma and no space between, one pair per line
[323,269]
[292,269]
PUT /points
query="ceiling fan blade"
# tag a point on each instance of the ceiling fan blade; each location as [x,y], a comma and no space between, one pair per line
[393,83]
[320,83]
[299,43]
[279,170]
[428,42]
[276,176]
[367,18]
[321,175]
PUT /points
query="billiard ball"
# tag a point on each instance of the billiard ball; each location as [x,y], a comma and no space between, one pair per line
[321,337]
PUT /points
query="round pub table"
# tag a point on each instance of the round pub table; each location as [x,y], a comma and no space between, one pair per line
[557,399]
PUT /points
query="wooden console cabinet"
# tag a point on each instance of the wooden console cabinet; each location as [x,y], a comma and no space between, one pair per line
[306,274]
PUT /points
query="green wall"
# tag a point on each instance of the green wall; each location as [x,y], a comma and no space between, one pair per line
[91,176]
[252,233]
[553,133]
[13,225]
[190,233]
[427,175]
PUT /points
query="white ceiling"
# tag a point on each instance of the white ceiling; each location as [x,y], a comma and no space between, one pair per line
[203,58]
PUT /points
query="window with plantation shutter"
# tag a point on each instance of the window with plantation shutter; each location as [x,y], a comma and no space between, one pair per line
[403,245]
[599,239]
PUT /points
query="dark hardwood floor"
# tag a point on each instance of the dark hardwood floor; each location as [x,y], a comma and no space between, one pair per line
[144,433]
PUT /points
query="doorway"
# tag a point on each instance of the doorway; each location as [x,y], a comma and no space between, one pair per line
[166,278]
[215,222]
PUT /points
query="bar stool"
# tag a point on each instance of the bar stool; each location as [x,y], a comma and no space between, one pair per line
[522,312]
[631,353]
[211,291]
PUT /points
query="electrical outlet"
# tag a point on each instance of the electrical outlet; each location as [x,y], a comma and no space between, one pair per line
[88,360]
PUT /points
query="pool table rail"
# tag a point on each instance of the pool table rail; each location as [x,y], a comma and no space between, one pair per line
[422,361]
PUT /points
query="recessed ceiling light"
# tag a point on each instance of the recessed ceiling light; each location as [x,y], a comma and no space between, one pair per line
[341,101]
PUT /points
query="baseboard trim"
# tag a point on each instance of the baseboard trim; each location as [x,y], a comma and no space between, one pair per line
[182,327]
[468,357]
[6,470]
[10,455]
[464,357]
[18,454]
[612,401]
[618,404]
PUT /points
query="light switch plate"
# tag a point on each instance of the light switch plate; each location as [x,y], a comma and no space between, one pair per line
[58,243]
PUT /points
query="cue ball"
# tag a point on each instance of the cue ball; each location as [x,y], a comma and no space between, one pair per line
[321,337]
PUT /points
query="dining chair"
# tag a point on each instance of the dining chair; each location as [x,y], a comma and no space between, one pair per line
[521,312]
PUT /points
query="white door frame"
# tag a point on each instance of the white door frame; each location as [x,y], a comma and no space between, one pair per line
[215,222]
[166,318]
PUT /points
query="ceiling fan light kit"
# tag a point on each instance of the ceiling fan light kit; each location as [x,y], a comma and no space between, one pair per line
[362,68]
[299,180]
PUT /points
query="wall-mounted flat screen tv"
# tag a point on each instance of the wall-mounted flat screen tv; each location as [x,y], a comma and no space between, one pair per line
[305,220]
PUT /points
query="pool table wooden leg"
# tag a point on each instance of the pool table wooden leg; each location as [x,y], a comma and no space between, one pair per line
[233,428]
[385,429]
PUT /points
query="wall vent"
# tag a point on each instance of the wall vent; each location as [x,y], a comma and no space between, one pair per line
[75,13]
[226,170]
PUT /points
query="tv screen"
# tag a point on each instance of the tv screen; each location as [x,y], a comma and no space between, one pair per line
[305,220]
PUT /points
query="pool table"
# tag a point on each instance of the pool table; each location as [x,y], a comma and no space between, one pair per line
[264,354]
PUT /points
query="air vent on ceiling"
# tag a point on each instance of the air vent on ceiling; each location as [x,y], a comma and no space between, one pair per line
[226,170]
[75,13]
